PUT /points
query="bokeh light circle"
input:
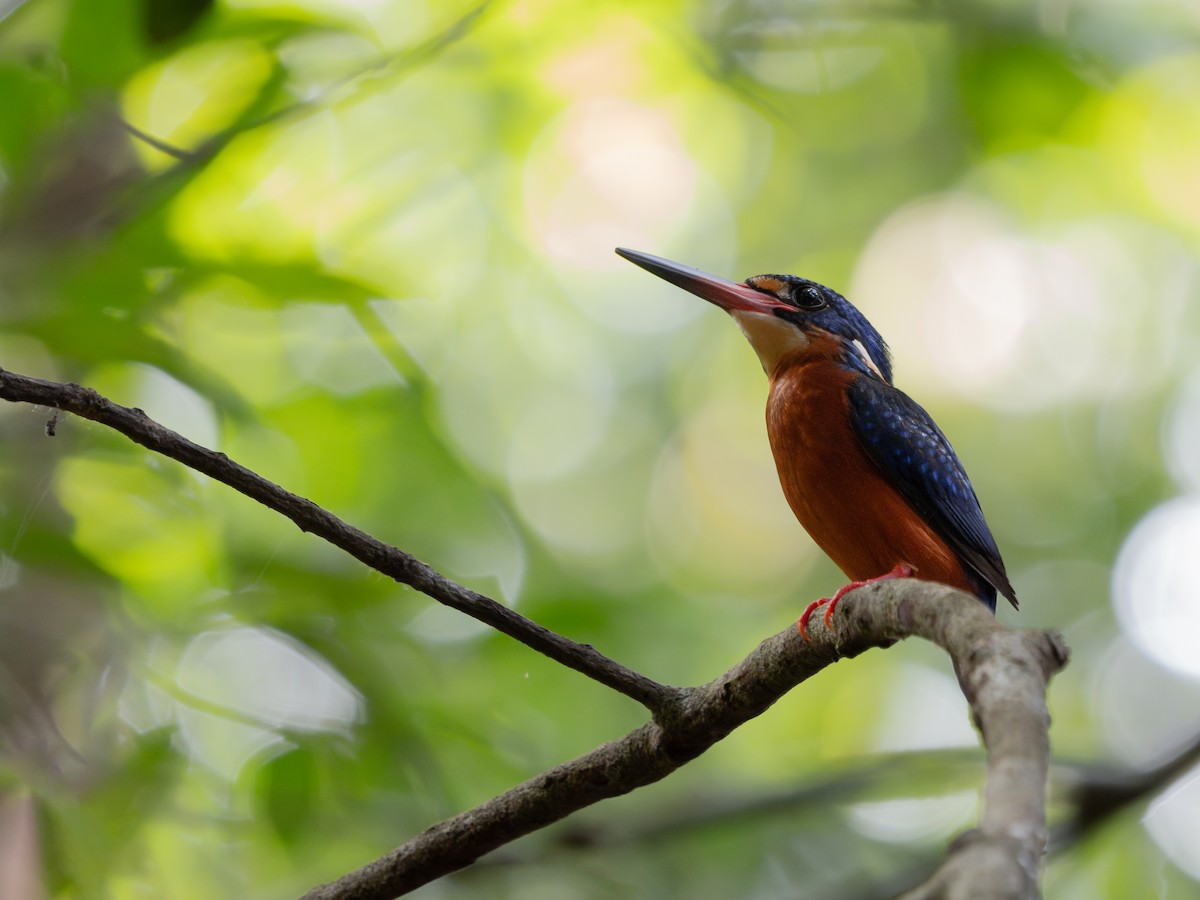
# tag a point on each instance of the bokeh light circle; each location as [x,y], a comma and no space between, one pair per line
[1155,589]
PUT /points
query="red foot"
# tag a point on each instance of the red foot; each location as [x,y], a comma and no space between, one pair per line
[903,570]
[807,614]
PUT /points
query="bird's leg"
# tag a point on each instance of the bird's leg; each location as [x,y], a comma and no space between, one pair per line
[902,570]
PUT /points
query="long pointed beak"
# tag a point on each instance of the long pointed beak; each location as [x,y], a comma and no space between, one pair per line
[729,295]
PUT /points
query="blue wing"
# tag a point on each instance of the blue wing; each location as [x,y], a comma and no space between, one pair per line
[905,443]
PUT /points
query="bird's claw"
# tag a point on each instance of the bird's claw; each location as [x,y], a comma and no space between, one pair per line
[807,614]
[902,570]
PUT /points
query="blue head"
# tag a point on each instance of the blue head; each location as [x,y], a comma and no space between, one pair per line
[784,316]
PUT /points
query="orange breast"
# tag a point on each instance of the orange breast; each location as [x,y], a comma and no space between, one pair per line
[834,488]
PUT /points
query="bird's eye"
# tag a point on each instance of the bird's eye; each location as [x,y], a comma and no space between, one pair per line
[809,298]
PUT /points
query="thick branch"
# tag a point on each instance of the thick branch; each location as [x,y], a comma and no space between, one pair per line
[1003,672]
[395,563]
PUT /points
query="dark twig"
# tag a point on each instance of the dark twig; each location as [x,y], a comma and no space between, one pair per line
[408,59]
[1093,794]
[931,770]
[395,563]
[159,145]
[1098,794]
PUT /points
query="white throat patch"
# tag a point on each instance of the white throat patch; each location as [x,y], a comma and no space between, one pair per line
[771,337]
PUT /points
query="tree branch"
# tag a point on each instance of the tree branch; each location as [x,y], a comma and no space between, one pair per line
[1003,673]
[834,785]
[407,59]
[1099,793]
[395,563]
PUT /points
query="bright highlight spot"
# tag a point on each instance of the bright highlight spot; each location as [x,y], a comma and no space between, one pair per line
[195,93]
[608,173]
[1146,712]
[527,396]
[1181,435]
[972,303]
[1170,136]
[326,345]
[437,624]
[925,711]
[812,71]
[915,819]
[235,695]
[269,677]
[1155,589]
[1173,820]
[168,401]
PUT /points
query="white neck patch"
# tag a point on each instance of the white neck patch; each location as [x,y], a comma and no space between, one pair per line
[866,357]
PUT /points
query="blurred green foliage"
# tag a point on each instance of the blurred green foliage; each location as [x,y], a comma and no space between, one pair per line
[366,249]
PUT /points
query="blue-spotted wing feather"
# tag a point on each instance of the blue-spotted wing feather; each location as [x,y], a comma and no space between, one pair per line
[906,444]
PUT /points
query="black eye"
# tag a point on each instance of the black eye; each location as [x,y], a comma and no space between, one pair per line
[809,297]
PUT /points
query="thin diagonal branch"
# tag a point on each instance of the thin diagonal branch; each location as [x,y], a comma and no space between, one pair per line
[160,145]
[408,59]
[1004,674]
[1098,793]
[1091,793]
[395,563]
[889,774]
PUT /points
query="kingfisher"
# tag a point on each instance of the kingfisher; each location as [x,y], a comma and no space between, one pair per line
[864,467]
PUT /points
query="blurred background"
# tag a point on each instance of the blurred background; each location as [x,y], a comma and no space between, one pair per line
[365,248]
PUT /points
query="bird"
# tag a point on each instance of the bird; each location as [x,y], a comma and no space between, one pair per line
[863,466]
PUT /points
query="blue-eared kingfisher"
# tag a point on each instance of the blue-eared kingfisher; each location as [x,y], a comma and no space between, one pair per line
[865,469]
